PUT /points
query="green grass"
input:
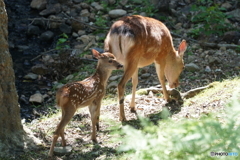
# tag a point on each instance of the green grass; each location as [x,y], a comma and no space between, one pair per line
[190,138]
[170,138]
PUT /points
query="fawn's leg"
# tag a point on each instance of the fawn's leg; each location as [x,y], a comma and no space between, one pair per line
[67,113]
[98,113]
[93,109]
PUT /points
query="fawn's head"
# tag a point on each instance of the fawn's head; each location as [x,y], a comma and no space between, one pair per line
[106,60]
[175,65]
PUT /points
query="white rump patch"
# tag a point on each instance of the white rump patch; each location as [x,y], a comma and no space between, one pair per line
[120,46]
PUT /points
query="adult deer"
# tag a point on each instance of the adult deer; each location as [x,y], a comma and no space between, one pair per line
[138,41]
[88,92]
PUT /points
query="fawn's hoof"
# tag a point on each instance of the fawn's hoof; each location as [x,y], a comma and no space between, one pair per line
[94,140]
[97,126]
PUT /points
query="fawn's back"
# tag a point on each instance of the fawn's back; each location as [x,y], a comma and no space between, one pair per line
[81,93]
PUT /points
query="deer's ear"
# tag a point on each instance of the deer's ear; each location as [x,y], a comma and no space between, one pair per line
[182,48]
[96,54]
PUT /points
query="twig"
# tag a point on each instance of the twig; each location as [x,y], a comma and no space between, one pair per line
[191,93]
[204,44]
[217,45]
[91,26]
[45,19]
[42,53]
[186,38]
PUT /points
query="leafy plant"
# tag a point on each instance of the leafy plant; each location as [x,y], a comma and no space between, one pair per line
[61,42]
[187,139]
[100,21]
[148,7]
[209,19]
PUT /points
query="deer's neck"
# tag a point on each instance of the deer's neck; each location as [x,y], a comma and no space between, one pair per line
[103,75]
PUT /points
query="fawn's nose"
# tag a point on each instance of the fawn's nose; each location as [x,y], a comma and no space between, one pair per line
[119,66]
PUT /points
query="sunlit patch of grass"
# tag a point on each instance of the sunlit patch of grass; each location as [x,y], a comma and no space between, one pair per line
[218,91]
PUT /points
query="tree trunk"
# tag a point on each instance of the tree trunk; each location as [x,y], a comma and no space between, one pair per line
[11,129]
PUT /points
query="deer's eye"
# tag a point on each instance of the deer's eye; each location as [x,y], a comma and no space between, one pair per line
[110,61]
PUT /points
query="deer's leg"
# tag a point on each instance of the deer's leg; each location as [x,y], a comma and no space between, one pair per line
[98,115]
[129,69]
[161,77]
[134,86]
[93,109]
[63,137]
[66,117]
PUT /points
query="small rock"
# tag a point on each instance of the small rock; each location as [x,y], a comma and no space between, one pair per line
[213,60]
[77,1]
[81,32]
[178,26]
[97,6]
[47,59]
[54,22]
[22,47]
[231,37]
[113,84]
[40,69]
[145,75]
[123,2]
[60,151]
[84,13]
[31,76]
[26,62]
[226,5]
[191,58]
[142,92]
[76,26]
[33,30]
[218,70]
[111,1]
[192,67]
[51,9]
[65,28]
[59,85]
[69,77]
[114,78]
[117,13]
[85,39]
[36,98]
[85,6]
[39,4]
[208,69]
[46,36]
[23,99]
[74,34]
[235,14]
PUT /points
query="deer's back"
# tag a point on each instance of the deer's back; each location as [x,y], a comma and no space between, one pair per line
[148,37]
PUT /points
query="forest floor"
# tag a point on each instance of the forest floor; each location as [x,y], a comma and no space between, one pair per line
[211,100]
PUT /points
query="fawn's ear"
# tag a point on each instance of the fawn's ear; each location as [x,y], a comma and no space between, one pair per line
[182,48]
[96,54]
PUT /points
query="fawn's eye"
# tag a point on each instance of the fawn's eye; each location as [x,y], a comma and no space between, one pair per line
[110,61]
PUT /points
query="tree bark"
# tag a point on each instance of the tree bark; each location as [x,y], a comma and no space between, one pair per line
[11,129]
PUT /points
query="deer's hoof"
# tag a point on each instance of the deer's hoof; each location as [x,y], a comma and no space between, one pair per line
[122,119]
[133,110]
[94,140]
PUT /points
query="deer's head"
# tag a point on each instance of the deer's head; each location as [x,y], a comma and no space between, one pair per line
[175,65]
